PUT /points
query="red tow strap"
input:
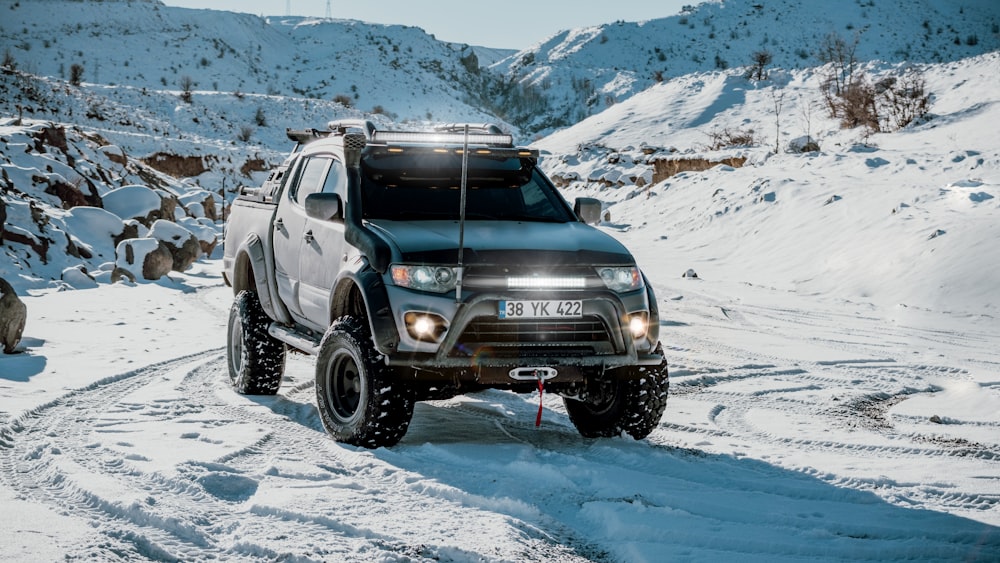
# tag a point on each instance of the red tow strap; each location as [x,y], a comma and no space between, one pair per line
[541,391]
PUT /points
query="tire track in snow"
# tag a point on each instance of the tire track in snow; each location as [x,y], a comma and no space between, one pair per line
[853,393]
[55,455]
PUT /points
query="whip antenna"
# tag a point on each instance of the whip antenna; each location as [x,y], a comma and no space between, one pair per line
[461,213]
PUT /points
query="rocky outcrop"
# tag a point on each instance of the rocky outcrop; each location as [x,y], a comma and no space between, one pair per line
[13,316]
[667,167]
[176,165]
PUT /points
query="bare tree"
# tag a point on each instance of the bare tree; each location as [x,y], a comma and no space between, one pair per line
[75,74]
[187,85]
[760,60]
[905,98]
[805,112]
[839,54]
[778,100]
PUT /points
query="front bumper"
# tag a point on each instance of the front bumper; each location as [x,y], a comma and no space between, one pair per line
[478,344]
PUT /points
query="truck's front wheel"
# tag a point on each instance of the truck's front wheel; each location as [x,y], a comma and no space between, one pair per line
[633,402]
[256,359]
[359,401]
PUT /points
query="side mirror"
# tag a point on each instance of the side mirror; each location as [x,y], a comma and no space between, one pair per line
[588,210]
[324,206]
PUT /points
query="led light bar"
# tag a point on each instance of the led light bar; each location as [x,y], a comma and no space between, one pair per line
[441,138]
[546,282]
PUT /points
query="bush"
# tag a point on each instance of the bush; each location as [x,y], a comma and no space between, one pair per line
[75,74]
[857,106]
[187,85]
[245,134]
[888,105]
[757,69]
[730,138]
[344,100]
[906,99]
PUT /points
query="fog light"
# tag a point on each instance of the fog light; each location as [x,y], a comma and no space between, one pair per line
[638,323]
[427,327]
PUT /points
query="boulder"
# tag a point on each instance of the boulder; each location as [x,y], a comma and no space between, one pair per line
[13,316]
[145,257]
[182,243]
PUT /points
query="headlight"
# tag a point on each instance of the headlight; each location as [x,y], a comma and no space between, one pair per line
[437,279]
[621,280]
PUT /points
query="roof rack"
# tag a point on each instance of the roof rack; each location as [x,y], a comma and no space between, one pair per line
[473,128]
[342,125]
[303,136]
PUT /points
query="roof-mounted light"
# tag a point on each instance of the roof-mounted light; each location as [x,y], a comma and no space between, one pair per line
[438,138]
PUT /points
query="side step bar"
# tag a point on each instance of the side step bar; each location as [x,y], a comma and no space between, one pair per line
[294,338]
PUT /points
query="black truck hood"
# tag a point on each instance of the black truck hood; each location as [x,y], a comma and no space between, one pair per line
[501,242]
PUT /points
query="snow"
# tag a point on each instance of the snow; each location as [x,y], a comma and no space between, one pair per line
[835,377]
[131,202]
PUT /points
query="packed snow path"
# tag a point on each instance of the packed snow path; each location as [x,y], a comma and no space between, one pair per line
[762,455]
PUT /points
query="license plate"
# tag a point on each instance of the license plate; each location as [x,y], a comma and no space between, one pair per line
[539,309]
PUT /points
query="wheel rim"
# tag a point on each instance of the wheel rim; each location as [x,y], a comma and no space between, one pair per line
[346,388]
[236,346]
[604,400]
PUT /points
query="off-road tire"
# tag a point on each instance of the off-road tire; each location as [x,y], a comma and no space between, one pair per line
[360,402]
[256,359]
[631,401]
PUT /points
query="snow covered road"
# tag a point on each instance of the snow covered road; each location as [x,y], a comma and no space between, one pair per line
[797,429]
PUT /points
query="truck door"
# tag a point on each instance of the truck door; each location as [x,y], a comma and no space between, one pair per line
[289,228]
[321,255]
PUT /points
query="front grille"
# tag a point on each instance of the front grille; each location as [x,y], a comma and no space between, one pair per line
[563,337]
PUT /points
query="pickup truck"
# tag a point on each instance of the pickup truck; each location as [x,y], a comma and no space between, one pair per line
[420,265]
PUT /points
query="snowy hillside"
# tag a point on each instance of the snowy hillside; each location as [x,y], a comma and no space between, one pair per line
[581,72]
[398,70]
[904,219]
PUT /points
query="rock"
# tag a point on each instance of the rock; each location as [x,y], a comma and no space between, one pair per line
[936,419]
[689,274]
[182,244]
[78,277]
[13,316]
[147,257]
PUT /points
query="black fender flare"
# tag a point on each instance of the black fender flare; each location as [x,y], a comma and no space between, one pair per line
[378,313]
[253,249]
[653,329]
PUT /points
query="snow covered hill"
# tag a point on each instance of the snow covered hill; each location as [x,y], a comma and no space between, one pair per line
[406,74]
[904,219]
[581,72]
[397,70]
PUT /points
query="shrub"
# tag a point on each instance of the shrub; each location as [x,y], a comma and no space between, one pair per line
[905,99]
[259,118]
[245,134]
[730,138]
[757,69]
[75,74]
[857,107]
[187,85]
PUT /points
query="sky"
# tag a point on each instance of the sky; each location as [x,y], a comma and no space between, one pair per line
[517,24]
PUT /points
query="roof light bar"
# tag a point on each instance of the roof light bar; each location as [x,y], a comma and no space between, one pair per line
[441,138]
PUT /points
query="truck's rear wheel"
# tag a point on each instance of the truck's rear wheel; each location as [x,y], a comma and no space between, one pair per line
[632,403]
[359,401]
[256,359]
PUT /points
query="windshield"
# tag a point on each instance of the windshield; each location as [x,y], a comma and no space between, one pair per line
[425,185]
